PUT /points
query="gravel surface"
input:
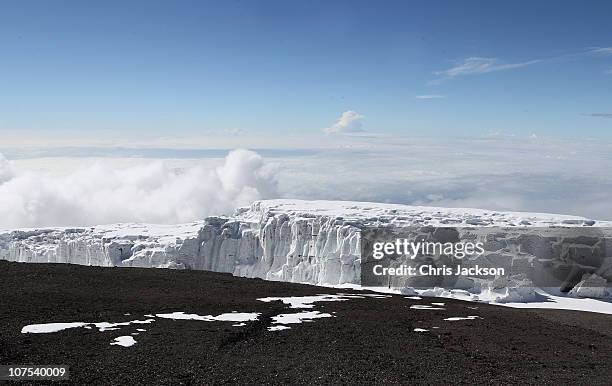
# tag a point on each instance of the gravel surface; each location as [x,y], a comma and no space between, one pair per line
[368,340]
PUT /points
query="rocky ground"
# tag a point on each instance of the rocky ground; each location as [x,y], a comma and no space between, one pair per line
[369,340]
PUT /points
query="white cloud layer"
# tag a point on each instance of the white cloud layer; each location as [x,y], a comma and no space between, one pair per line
[152,192]
[349,122]
[6,171]
[496,172]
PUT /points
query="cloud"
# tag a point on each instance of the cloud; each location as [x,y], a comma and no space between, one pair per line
[153,192]
[480,65]
[554,176]
[608,71]
[233,131]
[6,170]
[349,122]
[430,97]
[483,65]
[600,115]
[551,175]
[600,50]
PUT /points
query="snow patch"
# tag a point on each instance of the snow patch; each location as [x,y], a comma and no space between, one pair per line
[278,328]
[47,328]
[299,317]
[425,307]
[124,341]
[456,318]
[308,301]
[228,317]
[106,326]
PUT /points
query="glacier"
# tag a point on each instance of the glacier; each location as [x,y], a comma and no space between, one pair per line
[315,242]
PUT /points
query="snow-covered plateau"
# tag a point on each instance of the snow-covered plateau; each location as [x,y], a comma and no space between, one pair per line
[316,242]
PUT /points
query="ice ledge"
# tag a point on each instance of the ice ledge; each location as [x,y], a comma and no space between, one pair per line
[316,242]
[347,210]
[370,212]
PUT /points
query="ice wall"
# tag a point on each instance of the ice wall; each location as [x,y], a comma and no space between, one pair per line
[316,242]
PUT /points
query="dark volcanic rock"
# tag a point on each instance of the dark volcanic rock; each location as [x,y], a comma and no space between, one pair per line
[368,341]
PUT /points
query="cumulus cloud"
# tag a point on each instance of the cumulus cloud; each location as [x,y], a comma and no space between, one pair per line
[153,192]
[349,122]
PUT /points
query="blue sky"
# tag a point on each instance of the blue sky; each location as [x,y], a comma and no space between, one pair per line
[273,68]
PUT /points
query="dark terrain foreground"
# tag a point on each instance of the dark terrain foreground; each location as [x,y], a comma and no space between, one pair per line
[368,341]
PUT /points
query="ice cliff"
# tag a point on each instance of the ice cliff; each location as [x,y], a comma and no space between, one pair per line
[315,242]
